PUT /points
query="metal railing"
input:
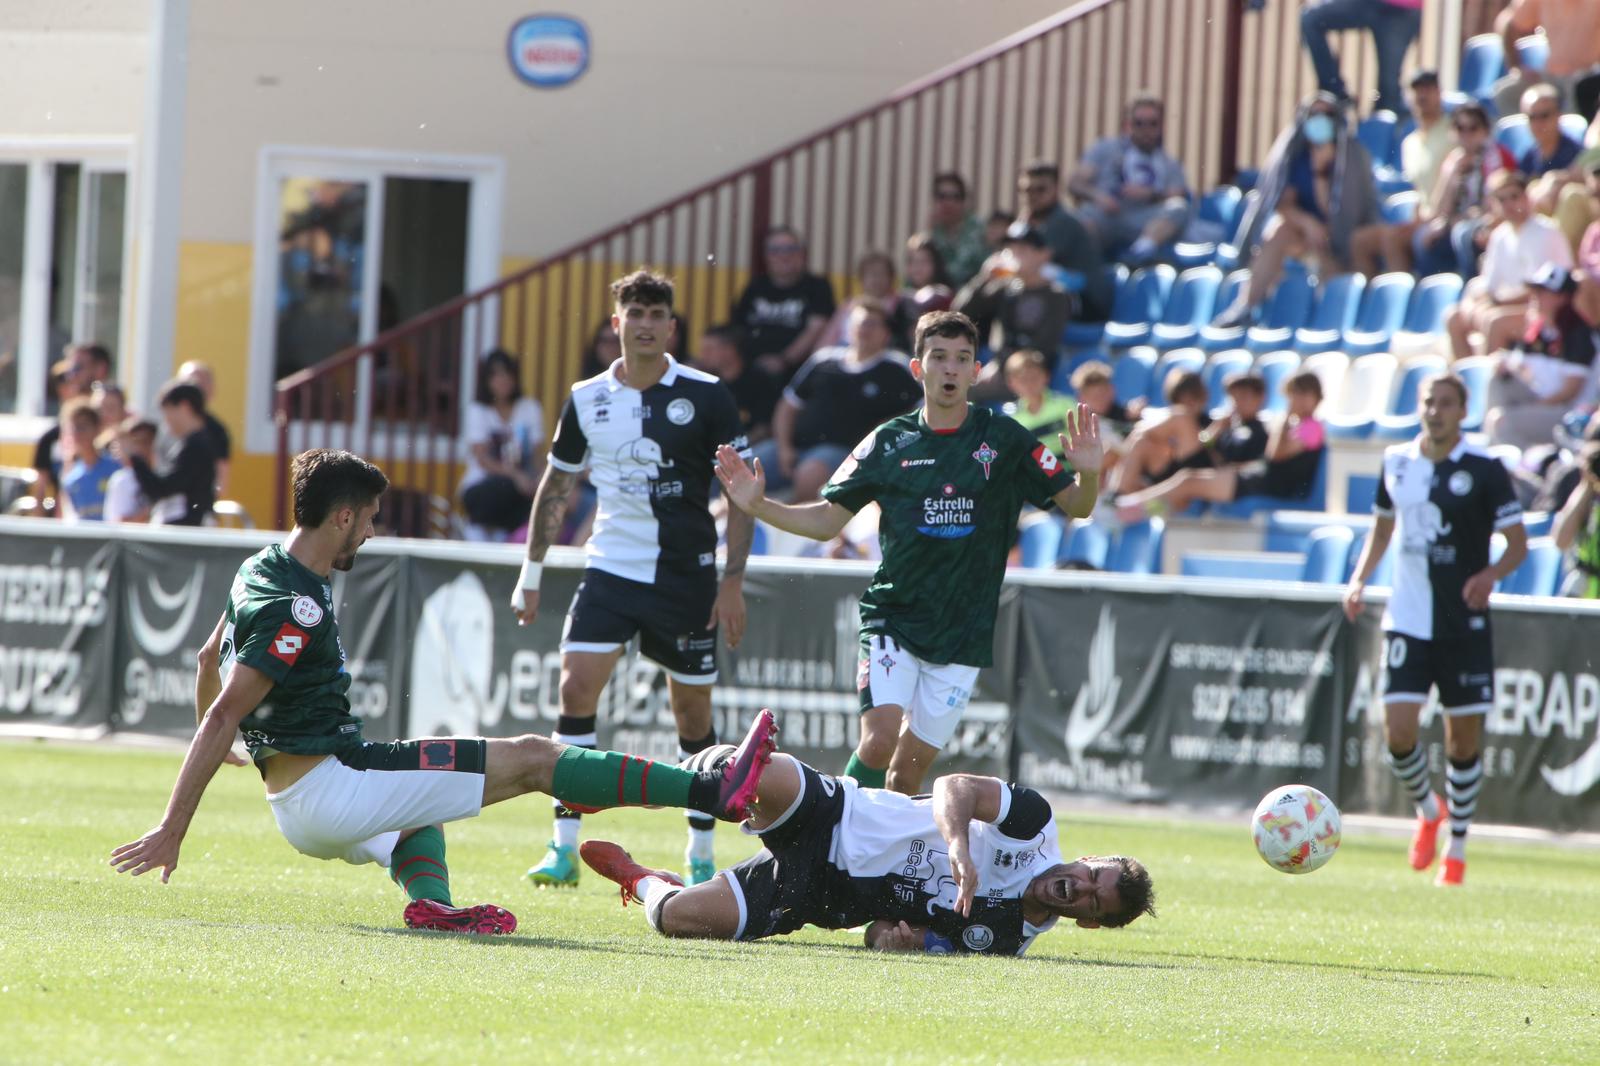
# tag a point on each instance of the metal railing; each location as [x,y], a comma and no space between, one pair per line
[1230,80]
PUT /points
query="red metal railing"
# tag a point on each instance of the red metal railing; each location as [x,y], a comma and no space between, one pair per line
[1230,79]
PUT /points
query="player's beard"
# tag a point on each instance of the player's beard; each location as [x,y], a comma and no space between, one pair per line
[346,557]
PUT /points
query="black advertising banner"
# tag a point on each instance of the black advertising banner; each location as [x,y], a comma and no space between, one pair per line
[1164,696]
[1541,737]
[369,603]
[58,612]
[474,670]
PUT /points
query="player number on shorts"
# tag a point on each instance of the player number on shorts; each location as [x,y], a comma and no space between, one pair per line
[1396,653]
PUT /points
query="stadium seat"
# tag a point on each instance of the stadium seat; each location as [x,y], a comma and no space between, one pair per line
[1276,367]
[1383,574]
[1482,64]
[1401,421]
[1424,321]
[1140,303]
[1376,134]
[1514,135]
[1088,545]
[1229,254]
[1219,368]
[1040,542]
[1219,207]
[1534,51]
[1286,311]
[1130,373]
[1538,523]
[1192,303]
[1138,548]
[1184,359]
[1539,574]
[1330,368]
[1061,379]
[1367,386]
[1574,126]
[1383,310]
[1315,500]
[1360,493]
[1091,334]
[1476,371]
[1213,338]
[758,539]
[1290,531]
[1242,566]
[1401,206]
[1338,301]
[1326,553]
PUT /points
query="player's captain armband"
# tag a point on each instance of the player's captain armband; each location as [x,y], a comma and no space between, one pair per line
[934,944]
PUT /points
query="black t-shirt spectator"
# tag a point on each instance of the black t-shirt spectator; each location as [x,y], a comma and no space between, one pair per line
[47,453]
[1243,443]
[773,316]
[1074,248]
[221,442]
[756,392]
[1011,315]
[840,402]
[188,471]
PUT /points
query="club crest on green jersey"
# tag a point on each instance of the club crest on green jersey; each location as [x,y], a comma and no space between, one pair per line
[985,455]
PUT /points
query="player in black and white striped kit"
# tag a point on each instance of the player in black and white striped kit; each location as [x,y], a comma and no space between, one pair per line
[1446,498]
[647,429]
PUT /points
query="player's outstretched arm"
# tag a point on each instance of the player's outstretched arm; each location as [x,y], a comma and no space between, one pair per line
[208,680]
[957,800]
[896,936]
[746,486]
[1081,446]
[243,692]
[544,525]
[1371,553]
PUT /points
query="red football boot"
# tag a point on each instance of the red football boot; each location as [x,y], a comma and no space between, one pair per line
[1425,841]
[1451,872]
[612,862]
[485,918]
[742,772]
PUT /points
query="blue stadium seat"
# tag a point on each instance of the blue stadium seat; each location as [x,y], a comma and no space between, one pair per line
[1184,359]
[1213,339]
[1040,542]
[1534,51]
[1191,304]
[1401,207]
[1326,553]
[1242,566]
[1360,493]
[1476,371]
[1276,367]
[1368,384]
[1401,421]
[1539,523]
[758,539]
[1088,544]
[1376,134]
[1390,183]
[1483,63]
[1219,368]
[1539,574]
[1286,311]
[1061,380]
[1139,305]
[1090,334]
[1290,531]
[1574,126]
[1432,297]
[1513,133]
[1383,310]
[1338,302]
[1229,253]
[1138,548]
[1131,372]
[1383,574]
[1219,207]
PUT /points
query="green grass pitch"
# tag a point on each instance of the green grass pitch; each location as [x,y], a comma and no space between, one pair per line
[256,954]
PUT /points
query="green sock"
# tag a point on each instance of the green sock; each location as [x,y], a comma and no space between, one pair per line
[612,779]
[863,774]
[417,865]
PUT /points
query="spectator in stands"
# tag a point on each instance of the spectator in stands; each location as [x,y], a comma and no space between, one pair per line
[837,398]
[927,285]
[994,229]
[1016,305]
[1454,223]
[503,432]
[1316,192]
[1294,454]
[875,274]
[86,471]
[755,391]
[1423,150]
[1538,379]
[93,362]
[604,349]
[1578,526]
[1394,25]
[1550,163]
[1073,247]
[1092,386]
[1572,29]
[1495,304]
[110,403]
[199,375]
[1038,408]
[133,436]
[183,483]
[954,230]
[784,310]
[1238,436]
[1130,192]
[1167,442]
[49,452]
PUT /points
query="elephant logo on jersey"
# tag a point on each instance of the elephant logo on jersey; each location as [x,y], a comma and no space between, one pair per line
[1097,699]
[641,462]
[453,687]
[1424,525]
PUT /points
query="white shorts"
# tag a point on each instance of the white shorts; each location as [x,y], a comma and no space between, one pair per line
[933,695]
[336,812]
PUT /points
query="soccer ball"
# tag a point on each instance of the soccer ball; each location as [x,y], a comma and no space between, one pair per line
[1296,829]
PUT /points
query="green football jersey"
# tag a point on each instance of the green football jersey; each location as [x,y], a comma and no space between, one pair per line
[950,503]
[279,620]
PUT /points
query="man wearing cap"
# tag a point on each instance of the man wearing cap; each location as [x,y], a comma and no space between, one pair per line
[1130,192]
[1017,310]
[1537,380]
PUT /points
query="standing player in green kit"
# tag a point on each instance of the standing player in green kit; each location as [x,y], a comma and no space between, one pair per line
[951,480]
[274,668]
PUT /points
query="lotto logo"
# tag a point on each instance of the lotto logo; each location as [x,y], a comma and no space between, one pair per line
[288,644]
[1046,459]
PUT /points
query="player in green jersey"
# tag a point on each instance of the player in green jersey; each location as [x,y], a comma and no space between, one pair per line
[950,479]
[274,668]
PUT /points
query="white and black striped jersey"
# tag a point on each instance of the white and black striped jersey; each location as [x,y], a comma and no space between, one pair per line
[650,456]
[1444,515]
[899,866]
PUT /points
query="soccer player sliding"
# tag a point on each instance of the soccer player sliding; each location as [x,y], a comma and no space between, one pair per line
[274,667]
[950,479]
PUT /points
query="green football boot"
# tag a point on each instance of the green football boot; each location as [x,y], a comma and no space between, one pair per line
[558,868]
[700,871]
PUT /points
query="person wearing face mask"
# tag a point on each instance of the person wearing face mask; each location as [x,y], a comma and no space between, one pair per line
[1316,191]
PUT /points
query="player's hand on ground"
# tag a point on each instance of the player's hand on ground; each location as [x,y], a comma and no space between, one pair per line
[1477,588]
[745,485]
[1080,444]
[525,604]
[966,872]
[728,611]
[899,936]
[1353,599]
[157,849]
